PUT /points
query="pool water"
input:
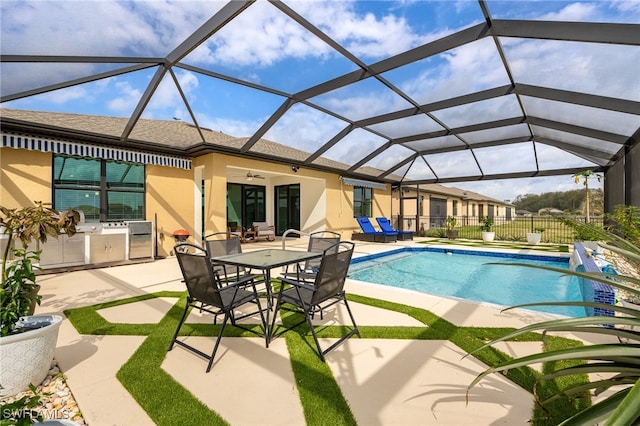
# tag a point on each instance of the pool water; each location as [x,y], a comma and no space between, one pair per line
[467,275]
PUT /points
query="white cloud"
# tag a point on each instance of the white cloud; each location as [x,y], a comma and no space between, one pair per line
[572,12]
[167,95]
[127,100]
[68,95]
[260,36]
[304,128]
[151,28]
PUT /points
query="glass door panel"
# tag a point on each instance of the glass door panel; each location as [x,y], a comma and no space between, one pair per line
[287,208]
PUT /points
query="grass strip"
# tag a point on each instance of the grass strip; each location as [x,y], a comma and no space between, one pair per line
[323,403]
[565,407]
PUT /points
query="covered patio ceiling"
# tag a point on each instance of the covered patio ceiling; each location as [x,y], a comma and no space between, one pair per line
[417,92]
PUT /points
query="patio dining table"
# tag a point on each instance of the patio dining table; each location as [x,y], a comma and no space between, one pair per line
[266,260]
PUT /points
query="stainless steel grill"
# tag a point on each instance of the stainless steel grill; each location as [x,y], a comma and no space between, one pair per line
[140,240]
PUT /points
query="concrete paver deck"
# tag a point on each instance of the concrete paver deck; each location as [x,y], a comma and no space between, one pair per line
[386,382]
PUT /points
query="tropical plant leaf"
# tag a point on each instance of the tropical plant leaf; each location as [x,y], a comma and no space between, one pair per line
[626,253]
[598,386]
[592,368]
[628,411]
[623,360]
[564,322]
[597,412]
[612,351]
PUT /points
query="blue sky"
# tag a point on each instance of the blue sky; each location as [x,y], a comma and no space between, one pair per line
[266,48]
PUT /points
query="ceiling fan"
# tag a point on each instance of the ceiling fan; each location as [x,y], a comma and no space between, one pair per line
[251,176]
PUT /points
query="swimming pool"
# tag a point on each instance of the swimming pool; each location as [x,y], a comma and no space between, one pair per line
[465,274]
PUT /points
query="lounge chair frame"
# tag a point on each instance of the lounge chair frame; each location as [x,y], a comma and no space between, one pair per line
[369,232]
[385,226]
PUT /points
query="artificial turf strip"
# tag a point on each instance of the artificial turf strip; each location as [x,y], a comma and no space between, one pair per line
[323,403]
[565,406]
[321,397]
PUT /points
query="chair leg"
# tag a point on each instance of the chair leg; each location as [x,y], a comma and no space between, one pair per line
[353,331]
[215,348]
[273,321]
[263,319]
[184,316]
[308,315]
[353,321]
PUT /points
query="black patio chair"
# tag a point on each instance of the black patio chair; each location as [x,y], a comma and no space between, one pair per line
[327,289]
[318,242]
[221,244]
[207,292]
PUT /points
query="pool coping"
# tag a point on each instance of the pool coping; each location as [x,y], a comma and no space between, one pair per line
[559,257]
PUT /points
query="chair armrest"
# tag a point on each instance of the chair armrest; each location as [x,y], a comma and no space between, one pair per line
[296,283]
[244,281]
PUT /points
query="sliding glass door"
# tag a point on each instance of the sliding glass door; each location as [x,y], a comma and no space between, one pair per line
[245,204]
[287,208]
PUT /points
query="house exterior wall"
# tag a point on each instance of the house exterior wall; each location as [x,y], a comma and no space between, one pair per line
[173,196]
[325,202]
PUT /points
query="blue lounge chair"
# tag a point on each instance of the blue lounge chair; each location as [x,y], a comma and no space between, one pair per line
[369,233]
[385,226]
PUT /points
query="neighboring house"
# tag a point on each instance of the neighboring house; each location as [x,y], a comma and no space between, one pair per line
[526,213]
[427,205]
[60,160]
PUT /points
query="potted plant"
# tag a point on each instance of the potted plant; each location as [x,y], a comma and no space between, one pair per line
[27,342]
[486,228]
[450,224]
[535,236]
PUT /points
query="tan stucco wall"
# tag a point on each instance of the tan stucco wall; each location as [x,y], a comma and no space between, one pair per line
[25,177]
[169,195]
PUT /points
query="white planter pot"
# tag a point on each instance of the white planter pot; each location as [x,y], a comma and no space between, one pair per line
[533,237]
[26,357]
[488,236]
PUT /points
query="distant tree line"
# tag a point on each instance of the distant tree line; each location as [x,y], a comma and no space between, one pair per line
[571,202]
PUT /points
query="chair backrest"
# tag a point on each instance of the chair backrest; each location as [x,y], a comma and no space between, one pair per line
[318,242]
[384,224]
[222,243]
[366,226]
[333,271]
[197,272]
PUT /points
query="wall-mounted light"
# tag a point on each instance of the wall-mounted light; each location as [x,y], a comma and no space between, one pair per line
[295,169]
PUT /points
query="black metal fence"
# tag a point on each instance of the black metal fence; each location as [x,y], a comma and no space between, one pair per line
[505,228]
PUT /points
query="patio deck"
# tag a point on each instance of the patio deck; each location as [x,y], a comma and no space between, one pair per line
[386,382]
